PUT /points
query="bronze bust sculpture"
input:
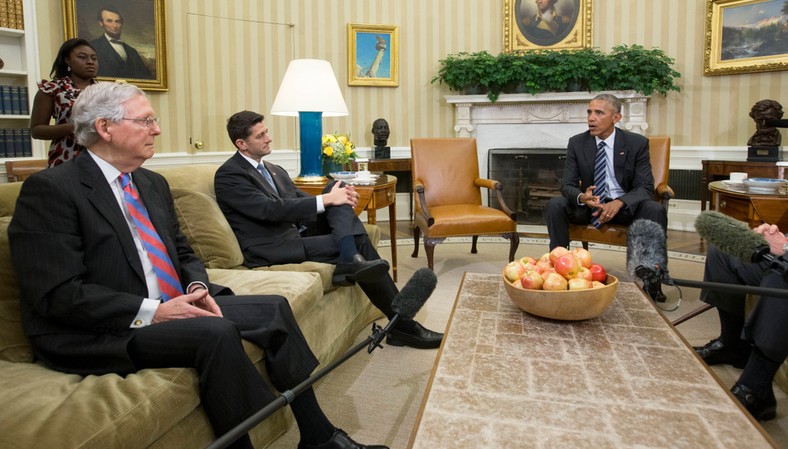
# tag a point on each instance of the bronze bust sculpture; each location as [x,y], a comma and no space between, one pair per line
[765,135]
[380,131]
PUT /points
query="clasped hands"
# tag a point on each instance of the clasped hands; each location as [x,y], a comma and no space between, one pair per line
[605,211]
[773,236]
[191,305]
[341,193]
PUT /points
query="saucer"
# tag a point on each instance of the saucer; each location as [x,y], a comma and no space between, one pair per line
[343,175]
[734,184]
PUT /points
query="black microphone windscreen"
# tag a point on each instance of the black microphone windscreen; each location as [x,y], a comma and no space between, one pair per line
[729,235]
[415,293]
[646,247]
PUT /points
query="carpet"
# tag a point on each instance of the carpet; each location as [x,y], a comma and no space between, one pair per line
[376,397]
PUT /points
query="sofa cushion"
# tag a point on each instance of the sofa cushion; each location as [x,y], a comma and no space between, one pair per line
[14,345]
[208,232]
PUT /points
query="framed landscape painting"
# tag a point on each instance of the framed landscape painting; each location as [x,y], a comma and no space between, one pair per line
[128,35]
[745,36]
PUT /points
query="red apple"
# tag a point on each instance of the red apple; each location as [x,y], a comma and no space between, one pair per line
[528,259]
[598,273]
[532,280]
[567,266]
[554,281]
[597,284]
[583,257]
[513,271]
[579,284]
[557,252]
[532,267]
[585,273]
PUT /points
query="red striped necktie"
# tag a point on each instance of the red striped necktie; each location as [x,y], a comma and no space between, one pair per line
[169,284]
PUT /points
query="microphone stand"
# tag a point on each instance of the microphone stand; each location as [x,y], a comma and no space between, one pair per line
[286,397]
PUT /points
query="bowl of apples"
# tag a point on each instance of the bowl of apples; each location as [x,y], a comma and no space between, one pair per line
[562,285]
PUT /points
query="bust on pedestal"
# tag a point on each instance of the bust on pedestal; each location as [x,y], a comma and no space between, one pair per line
[380,130]
[764,145]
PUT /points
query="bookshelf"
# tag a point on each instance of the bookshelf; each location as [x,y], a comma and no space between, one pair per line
[18,77]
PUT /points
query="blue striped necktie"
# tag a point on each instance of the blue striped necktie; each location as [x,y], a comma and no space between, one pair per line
[600,178]
[167,277]
[263,171]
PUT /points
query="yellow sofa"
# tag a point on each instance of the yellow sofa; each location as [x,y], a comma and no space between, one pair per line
[160,408]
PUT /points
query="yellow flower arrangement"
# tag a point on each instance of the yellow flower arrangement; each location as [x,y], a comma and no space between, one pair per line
[339,148]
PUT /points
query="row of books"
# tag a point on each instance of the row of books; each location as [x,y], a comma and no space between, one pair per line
[13,100]
[15,142]
[11,14]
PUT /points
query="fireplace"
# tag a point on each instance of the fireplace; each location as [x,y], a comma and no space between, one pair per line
[530,177]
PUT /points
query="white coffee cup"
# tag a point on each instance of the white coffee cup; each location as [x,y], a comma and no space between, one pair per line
[737,176]
[364,175]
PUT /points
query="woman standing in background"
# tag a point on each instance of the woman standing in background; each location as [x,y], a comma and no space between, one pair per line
[74,69]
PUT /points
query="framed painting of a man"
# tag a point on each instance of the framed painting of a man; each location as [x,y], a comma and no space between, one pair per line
[745,36]
[128,36]
[373,55]
[547,24]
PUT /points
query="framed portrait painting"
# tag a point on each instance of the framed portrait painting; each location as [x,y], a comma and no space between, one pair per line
[373,55]
[745,36]
[546,24]
[128,35]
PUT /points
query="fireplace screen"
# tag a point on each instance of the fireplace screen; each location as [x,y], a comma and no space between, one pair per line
[530,177]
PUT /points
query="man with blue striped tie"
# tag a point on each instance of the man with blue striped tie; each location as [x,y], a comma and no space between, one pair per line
[607,176]
[109,284]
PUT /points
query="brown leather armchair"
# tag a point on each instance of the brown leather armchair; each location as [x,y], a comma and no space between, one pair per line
[616,234]
[448,198]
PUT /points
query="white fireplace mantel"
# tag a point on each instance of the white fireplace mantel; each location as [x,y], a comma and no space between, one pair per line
[541,109]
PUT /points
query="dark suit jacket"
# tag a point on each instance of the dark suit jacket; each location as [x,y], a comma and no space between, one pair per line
[265,222]
[80,275]
[631,164]
[110,63]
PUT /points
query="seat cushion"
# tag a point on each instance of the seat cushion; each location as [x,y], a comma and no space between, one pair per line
[208,232]
[14,345]
[464,219]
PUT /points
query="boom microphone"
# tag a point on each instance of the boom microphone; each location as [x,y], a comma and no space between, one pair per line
[732,236]
[647,256]
[407,303]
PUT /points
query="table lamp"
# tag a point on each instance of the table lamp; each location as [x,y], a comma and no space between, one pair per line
[310,91]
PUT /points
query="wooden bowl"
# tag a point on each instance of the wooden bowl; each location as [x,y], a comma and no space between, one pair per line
[564,304]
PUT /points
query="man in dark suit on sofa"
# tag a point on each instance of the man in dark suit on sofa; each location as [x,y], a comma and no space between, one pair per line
[607,176]
[109,284]
[277,223]
[117,59]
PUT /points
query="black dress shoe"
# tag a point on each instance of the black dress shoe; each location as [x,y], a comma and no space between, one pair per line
[417,337]
[762,409]
[341,440]
[360,270]
[716,352]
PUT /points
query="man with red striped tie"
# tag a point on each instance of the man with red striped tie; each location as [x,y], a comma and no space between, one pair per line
[109,284]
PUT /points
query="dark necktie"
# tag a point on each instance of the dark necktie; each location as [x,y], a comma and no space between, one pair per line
[263,171]
[169,284]
[600,178]
[116,41]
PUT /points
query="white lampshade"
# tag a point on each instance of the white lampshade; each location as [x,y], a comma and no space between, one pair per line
[309,85]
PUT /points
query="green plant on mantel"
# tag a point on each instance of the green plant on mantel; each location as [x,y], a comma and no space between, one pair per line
[635,67]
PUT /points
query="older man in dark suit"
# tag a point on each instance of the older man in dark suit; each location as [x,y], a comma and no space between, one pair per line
[109,284]
[277,223]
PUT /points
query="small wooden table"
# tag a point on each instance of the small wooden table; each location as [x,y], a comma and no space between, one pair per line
[752,208]
[376,195]
[718,170]
[504,378]
[402,168]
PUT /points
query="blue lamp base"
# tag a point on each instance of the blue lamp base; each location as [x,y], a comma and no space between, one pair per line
[311,133]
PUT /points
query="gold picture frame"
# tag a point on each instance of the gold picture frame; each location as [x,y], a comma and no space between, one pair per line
[142,37]
[524,28]
[373,55]
[737,37]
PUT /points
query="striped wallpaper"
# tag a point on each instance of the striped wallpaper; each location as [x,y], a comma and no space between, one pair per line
[708,112]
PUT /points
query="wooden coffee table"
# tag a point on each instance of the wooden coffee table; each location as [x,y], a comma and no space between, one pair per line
[507,379]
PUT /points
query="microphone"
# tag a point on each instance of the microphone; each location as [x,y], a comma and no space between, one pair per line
[647,256]
[732,237]
[407,303]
